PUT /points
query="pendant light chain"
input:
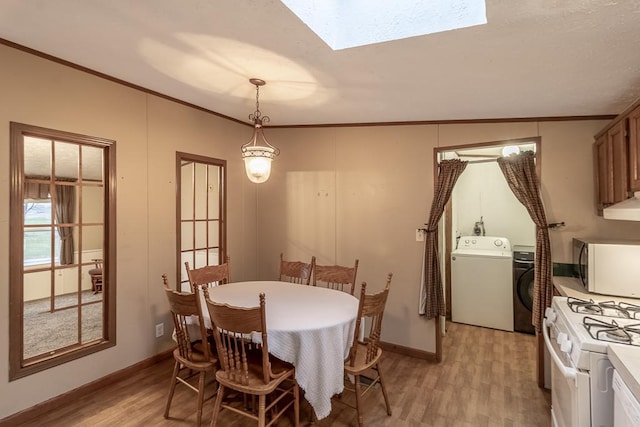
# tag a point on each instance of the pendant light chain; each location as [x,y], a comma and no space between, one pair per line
[256,117]
[257,113]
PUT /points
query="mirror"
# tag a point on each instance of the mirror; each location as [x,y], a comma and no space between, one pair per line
[201,201]
[62,243]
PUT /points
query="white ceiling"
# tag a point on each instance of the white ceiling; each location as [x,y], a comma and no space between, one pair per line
[539,58]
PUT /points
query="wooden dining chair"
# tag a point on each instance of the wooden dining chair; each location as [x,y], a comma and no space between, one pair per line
[336,277]
[296,271]
[190,359]
[364,356]
[208,276]
[96,275]
[248,368]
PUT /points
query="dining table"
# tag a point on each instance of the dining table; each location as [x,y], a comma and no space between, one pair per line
[310,327]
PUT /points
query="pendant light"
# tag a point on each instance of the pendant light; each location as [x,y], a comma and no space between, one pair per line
[509,150]
[258,153]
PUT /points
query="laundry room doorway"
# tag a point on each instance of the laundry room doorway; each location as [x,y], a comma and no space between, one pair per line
[482,205]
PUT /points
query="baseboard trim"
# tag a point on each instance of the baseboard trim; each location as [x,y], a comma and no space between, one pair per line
[33,412]
[408,351]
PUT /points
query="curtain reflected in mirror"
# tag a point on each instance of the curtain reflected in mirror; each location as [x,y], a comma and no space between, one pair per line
[201,211]
[62,241]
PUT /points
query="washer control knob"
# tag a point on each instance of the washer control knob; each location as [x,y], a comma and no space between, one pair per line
[474,241]
[497,242]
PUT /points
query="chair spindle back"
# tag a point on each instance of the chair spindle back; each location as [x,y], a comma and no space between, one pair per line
[296,271]
[233,340]
[371,306]
[336,277]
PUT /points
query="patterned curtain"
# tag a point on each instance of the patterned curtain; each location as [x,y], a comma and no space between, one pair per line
[36,191]
[520,173]
[65,214]
[432,302]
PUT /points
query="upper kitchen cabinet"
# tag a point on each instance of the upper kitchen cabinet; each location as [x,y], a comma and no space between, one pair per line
[616,154]
[634,149]
[617,140]
[603,173]
[611,166]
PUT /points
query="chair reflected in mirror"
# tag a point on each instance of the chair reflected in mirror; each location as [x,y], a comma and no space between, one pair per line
[96,275]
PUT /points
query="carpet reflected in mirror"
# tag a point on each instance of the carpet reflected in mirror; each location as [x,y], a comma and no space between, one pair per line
[46,331]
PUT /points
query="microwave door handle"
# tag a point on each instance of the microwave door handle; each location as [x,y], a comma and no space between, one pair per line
[581,265]
[569,373]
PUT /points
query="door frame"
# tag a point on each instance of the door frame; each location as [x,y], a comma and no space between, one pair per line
[447,246]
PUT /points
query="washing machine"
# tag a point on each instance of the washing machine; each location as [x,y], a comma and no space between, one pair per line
[523,275]
[482,282]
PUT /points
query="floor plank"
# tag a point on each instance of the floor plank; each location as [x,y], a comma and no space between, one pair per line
[487,378]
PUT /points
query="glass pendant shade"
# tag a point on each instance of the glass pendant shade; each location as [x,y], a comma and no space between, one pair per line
[257,163]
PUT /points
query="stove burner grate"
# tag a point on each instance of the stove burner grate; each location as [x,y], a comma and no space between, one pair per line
[621,310]
[632,309]
[581,306]
[617,335]
[612,331]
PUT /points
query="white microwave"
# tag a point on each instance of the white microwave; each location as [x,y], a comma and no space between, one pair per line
[608,267]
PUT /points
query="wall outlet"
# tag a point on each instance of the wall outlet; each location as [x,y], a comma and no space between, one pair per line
[419,235]
[159,330]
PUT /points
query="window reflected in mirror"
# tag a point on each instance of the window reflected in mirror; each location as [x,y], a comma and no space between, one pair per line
[201,202]
[62,247]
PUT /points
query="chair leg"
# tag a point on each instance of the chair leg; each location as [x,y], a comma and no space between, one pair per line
[172,388]
[296,403]
[216,407]
[201,379]
[262,416]
[359,401]
[384,390]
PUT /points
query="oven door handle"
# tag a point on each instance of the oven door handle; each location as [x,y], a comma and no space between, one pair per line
[569,373]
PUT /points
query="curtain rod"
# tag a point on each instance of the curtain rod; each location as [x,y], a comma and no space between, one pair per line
[475,161]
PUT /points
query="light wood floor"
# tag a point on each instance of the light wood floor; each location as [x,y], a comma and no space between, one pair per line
[487,378]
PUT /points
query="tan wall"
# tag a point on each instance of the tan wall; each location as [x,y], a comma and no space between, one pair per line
[346,193]
[148,131]
[337,193]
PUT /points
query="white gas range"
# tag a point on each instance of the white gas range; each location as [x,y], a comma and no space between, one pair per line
[577,334]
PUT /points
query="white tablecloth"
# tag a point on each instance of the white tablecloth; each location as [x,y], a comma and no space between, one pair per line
[310,327]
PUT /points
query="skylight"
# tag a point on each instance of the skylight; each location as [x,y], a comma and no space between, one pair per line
[343,24]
